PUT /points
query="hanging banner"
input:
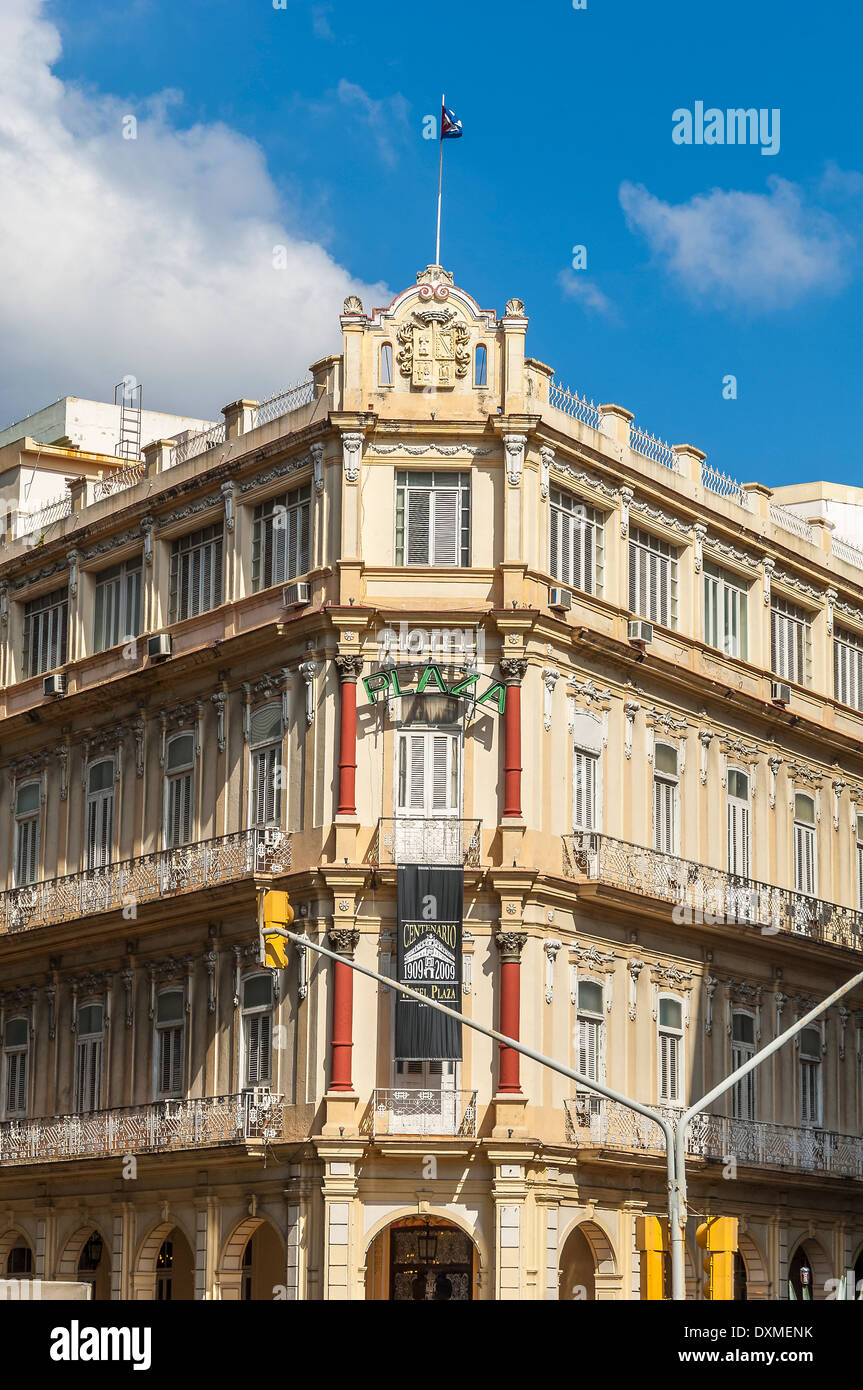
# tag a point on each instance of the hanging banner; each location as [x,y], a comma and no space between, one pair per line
[428,958]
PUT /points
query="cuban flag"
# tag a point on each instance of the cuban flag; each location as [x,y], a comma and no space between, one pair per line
[450,128]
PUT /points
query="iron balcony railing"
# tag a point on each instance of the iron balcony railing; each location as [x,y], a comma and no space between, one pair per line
[571,403]
[419,1113]
[283,402]
[594,1122]
[166,1124]
[707,896]
[426,840]
[204,864]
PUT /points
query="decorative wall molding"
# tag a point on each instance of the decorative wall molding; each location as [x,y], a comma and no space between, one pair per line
[200,504]
[589,480]
[441,450]
[630,710]
[546,456]
[637,504]
[352,454]
[514,447]
[283,469]
[551,947]
[550,677]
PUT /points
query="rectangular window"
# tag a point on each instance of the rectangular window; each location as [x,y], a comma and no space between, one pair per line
[739,839]
[670,1044]
[652,579]
[805,862]
[46,625]
[860,862]
[117,605]
[848,668]
[257,1031]
[28,799]
[88,1058]
[810,1076]
[432,518]
[428,774]
[170,1039]
[16,1046]
[575,543]
[100,813]
[585,767]
[666,801]
[742,1048]
[790,635]
[281,538]
[179,797]
[591,1030]
[196,573]
[725,614]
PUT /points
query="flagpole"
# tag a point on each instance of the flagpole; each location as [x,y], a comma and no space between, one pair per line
[439,181]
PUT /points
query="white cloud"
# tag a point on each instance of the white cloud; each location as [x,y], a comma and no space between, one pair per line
[844,183]
[760,251]
[152,256]
[386,119]
[585,292]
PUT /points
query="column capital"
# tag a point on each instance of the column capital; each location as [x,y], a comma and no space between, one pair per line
[344,939]
[513,669]
[350,667]
[510,944]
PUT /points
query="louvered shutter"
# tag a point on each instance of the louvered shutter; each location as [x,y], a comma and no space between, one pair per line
[170,1060]
[584,790]
[259,1033]
[665,815]
[738,838]
[669,1046]
[416,772]
[418,506]
[589,1047]
[16,1082]
[445,527]
[743,1096]
[88,1075]
[555,526]
[860,876]
[804,859]
[180,810]
[27,859]
[440,772]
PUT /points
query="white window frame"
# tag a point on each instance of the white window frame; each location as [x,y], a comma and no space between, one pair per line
[575,542]
[586,771]
[652,565]
[483,384]
[738,809]
[197,570]
[407,539]
[811,1081]
[726,611]
[454,753]
[95,814]
[46,633]
[32,820]
[805,831]
[385,364]
[848,668]
[18,1051]
[117,604]
[272,750]
[160,1030]
[790,641]
[282,538]
[672,782]
[84,1043]
[595,1020]
[744,1095]
[247,1017]
[679,1036]
[172,777]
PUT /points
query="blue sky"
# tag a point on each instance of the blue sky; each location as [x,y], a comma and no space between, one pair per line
[702,261]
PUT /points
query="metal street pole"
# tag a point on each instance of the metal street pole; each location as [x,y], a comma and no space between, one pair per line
[674,1132]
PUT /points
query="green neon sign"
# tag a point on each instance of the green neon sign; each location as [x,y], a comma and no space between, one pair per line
[385,684]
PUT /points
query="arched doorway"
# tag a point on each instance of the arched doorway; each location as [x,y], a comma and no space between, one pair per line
[165,1269]
[808,1272]
[422,1259]
[587,1264]
[86,1260]
[253,1262]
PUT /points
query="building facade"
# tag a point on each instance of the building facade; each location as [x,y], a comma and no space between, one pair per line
[428,608]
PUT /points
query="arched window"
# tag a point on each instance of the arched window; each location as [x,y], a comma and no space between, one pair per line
[257,1031]
[386,372]
[27,804]
[89,1047]
[671,1050]
[179,790]
[16,1056]
[742,1048]
[810,1076]
[591,1030]
[666,800]
[169,1043]
[480,365]
[100,813]
[165,1272]
[805,857]
[19,1263]
[267,775]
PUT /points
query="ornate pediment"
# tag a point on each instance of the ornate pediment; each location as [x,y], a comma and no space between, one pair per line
[434,342]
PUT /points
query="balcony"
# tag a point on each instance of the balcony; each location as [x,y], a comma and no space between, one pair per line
[596,1123]
[426,840]
[419,1113]
[709,896]
[151,877]
[157,1128]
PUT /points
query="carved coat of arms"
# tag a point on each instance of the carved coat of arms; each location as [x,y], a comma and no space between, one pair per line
[434,348]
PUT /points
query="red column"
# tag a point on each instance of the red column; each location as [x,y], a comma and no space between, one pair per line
[349,668]
[345,940]
[510,945]
[513,669]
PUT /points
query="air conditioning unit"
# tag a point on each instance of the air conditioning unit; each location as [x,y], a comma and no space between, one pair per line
[160,646]
[640,633]
[54,685]
[560,599]
[780,693]
[296,595]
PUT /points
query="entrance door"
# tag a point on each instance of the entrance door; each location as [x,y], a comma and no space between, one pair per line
[430,1263]
[425,1098]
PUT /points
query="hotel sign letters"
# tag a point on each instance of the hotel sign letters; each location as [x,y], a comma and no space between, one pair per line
[428,958]
[387,683]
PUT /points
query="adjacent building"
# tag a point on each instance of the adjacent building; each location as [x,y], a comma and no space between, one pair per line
[428,608]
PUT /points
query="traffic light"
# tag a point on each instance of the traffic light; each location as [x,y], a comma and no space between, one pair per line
[277,913]
[718,1237]
[651,1238]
